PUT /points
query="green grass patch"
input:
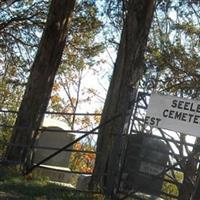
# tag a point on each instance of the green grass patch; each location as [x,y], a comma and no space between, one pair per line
[15,186]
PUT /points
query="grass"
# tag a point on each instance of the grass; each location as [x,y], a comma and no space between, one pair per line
[14,186]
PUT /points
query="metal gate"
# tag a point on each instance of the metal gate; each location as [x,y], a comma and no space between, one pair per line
[7,126]
[158,164]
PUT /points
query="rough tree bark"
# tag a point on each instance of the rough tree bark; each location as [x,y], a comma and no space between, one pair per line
[41,79]
[128,69]
[189,189]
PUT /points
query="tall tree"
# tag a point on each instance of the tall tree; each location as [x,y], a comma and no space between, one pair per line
[128,70]
[21,24]
[41,79]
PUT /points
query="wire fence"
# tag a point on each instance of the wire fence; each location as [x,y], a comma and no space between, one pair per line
[156,163]
[85,137]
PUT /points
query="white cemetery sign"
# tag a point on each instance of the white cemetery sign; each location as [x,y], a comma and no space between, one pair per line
[174,113]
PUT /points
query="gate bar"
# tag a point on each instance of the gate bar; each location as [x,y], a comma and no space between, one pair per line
[70,144]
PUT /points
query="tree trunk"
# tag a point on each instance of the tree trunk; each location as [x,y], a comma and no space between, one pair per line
[190,186]
[41,79]
[128,70]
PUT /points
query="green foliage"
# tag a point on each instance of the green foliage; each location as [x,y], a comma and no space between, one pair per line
[171,188]
[21,23]
[12,184]
[82,45]
[172,57]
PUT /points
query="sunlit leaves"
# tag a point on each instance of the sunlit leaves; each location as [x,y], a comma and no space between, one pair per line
[82,161]
[172,57]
